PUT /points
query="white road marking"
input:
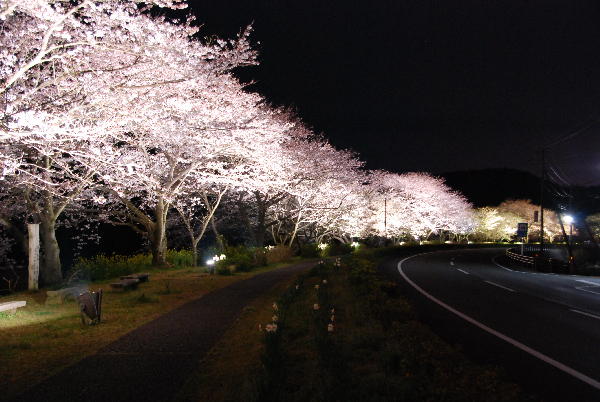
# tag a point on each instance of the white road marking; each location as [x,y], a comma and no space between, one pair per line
[494,261]
[451,263]
[589,315]
[500,286]
[464,272]
[588,282]
[585,288]
[519,345]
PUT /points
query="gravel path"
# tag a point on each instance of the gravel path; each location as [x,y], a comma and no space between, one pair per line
[153,361]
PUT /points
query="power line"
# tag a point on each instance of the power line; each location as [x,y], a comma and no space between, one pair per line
[564,137]
[562,177]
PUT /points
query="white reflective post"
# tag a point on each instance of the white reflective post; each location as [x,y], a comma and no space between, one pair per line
[34,255]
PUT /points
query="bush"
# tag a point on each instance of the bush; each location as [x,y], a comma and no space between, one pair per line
[310,250]
[225,271]
[260,257]
[589,270]
[279,254]
[101,267]
[340,249]
[240,257]
[183,258]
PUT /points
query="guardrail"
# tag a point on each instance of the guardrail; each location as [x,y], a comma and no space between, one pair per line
[536,264]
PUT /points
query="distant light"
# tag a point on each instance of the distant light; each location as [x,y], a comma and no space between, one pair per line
[569,219]
[210,262]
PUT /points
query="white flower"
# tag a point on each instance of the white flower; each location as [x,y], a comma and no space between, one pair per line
[275,306]
[316,286]
[271,328]
[330,328]
[316,306]
[325,281]
[275,318]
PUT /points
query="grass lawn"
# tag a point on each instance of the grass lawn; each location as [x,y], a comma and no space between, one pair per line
[376,350]
[42,339]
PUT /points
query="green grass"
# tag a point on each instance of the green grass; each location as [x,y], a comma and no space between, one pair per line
[377,351]
[42,339]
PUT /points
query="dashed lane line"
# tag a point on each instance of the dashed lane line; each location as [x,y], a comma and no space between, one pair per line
[464,272]
[513,342]
[500,286]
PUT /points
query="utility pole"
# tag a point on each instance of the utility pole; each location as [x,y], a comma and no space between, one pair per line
[571,214]
[542,205]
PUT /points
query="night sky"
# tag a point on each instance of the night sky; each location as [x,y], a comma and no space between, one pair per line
[432,86]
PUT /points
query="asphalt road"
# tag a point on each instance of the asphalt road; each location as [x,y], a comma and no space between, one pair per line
[543,330]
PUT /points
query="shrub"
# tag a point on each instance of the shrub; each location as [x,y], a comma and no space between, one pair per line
[260,258]
[588,270]
[101,267]
[339,249]
[225,271]
[310,250]
[240,257]
[279,254]
[182,258]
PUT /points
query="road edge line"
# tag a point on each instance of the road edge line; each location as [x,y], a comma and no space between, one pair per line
[549,360]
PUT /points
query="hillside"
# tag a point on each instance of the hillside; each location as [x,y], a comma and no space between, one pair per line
[490,187]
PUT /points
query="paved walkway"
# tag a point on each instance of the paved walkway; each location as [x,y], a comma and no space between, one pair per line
[152,362]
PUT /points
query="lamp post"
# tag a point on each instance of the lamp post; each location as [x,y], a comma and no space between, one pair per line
[569,220]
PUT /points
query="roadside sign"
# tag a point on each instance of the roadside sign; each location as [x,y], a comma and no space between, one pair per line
[522,230]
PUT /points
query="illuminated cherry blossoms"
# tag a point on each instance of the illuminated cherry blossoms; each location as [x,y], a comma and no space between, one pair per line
[117,116]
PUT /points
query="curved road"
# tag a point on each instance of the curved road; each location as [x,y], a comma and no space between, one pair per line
[543,329]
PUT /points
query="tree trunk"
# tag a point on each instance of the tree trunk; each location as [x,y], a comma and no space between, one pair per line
[159,252]
[195,254]
[217,235]
[158,240]
[51,270]
[246,219]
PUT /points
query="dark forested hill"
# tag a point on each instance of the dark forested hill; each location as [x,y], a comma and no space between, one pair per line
[490,187]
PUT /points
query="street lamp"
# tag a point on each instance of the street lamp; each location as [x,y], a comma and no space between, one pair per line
[569,219]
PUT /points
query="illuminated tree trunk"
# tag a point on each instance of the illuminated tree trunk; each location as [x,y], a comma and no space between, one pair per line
[51,270]
[158,236]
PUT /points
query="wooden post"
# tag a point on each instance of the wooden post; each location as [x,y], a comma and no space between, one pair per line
[34,255]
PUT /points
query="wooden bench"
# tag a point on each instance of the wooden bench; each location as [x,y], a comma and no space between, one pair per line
[141,277]
[58,296]
[12,307]
[125,283]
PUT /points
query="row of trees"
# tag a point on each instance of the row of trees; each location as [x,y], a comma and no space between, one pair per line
[112,114]
[500,223]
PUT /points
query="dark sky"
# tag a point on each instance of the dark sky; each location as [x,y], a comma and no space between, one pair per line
[432,86]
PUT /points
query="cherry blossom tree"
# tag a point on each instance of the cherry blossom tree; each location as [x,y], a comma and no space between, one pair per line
[311,188]
[493,225]
[90,80]
[524,210]
[417,205]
